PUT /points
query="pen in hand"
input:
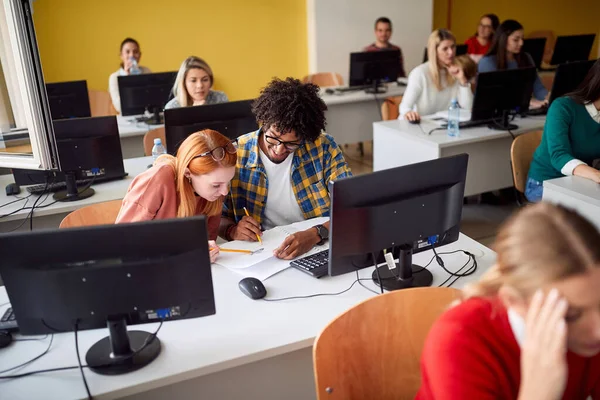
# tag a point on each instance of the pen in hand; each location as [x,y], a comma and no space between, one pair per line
[257,235]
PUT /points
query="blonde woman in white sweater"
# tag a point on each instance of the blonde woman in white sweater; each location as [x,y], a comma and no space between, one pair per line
[432,85]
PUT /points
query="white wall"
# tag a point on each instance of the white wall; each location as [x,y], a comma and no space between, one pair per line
[337,28]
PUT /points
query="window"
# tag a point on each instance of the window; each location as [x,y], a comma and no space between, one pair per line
[26,135]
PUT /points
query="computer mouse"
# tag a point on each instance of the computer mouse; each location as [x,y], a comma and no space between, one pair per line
[416,122]
[5,339]
[12,189]
[329,91]
[253,288]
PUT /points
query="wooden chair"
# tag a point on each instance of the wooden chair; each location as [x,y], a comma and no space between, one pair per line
[373,350]
[149,139]
[100,103]
[521,154]
[550,42]
[95,214]
[390,109]
[324,79]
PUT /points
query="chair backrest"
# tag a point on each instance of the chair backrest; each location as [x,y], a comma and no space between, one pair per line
[390,108]
[100,103]
[149,139]
[95,214]
[373,350]
[550,42]
[324,79]
[521,153]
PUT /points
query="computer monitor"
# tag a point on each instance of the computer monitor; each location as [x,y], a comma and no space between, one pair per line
[499,93]
[572,48]
[535,48]
[111,275]
[372,68]
[421,209]
[68,99]
[461,49]
[145,92]
[232,119]
[568,77]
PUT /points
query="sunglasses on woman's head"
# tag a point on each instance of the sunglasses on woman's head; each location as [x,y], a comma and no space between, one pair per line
[218,153]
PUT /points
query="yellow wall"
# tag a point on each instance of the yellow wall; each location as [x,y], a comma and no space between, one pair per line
[246,42]
[564,17]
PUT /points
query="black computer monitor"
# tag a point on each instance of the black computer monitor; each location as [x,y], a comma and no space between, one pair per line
[405,210]
[231,119]
[499,93]
[145,92]
[370,68]
[572,48]
[535,48]
[111,275]
[461,49]
[68,99]
[568,77]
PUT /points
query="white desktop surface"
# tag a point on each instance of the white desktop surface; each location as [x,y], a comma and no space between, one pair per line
[106,191]
[398,143]
[580,194]
[360,95]
[128,126]
[243,331]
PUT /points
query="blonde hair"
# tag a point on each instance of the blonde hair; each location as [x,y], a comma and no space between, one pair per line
[195,144]
[433,42]
[179,91]
[542,243]
[468,66]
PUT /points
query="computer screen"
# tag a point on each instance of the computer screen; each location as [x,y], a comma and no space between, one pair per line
[535,48]
[68,99]
[371,68]
[460,50]
[572,48]
[404,210]
[568,77]
[145,92]
[113,275]
[231,119]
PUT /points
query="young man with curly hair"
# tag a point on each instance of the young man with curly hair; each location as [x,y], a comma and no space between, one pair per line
[284,169]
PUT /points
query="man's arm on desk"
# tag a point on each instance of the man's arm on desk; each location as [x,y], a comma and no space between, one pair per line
[299,243]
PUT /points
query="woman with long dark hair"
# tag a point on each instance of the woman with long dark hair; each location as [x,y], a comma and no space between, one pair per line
[571,139]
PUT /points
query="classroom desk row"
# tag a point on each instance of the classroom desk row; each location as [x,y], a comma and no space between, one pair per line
[577,193]
[250,349]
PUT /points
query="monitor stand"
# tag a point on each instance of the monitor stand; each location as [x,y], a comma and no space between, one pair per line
[122,351]
[376,88]
[72,193]
[505,124]
[405,275]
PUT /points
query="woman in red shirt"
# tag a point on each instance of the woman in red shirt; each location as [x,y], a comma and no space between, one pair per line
[530,328]
[478,45]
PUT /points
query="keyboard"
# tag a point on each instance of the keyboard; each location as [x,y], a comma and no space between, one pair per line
[538,111]
[468,124]
[316,265]
[8,322]
[62,185]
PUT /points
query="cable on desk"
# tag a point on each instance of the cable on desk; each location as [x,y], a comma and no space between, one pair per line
[15,201]
[313,295]
[30,361]
[87,388]
[439,128]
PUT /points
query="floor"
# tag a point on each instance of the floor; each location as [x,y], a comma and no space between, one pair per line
[479,221]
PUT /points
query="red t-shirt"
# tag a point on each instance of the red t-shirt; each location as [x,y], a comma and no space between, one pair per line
[471,353]
[474,47]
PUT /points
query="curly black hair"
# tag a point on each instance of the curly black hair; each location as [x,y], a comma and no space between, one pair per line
[291,105]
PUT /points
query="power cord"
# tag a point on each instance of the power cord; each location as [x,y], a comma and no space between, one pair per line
[15,201]
[30,361]
[440,262]
[87,388]
[377,272]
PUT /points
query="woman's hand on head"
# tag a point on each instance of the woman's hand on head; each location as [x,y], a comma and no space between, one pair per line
[127,65]
[412,116]
[213,251]
[458,73]
[534,103]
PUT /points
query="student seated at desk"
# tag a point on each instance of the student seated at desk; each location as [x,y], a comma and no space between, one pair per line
[530,328]
[478,45]
[193,85]
[383,33]
[130,59]
[432,85]
[571,139]
[284,168]
[505,53]
[193,183]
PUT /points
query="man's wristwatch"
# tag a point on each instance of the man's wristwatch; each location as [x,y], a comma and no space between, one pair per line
[322,232]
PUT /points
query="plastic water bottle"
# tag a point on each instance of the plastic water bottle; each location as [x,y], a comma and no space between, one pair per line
[134,70]
[158,149]
[453,118]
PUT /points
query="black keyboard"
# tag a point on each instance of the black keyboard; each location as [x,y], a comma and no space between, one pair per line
[468,124]
[62,185]
[316,265]
[8,322]
[538,111]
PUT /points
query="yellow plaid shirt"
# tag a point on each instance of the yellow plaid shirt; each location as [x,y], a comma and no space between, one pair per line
[313,167]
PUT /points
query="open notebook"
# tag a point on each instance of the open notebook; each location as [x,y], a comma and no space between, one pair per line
[263,264]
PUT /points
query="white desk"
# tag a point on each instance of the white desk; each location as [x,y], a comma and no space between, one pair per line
[350,115]
[50,217]
[132,136]
[248,350]
[580,194]
[397,143]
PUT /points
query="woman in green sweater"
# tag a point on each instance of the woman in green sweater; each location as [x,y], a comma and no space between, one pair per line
[571,139]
